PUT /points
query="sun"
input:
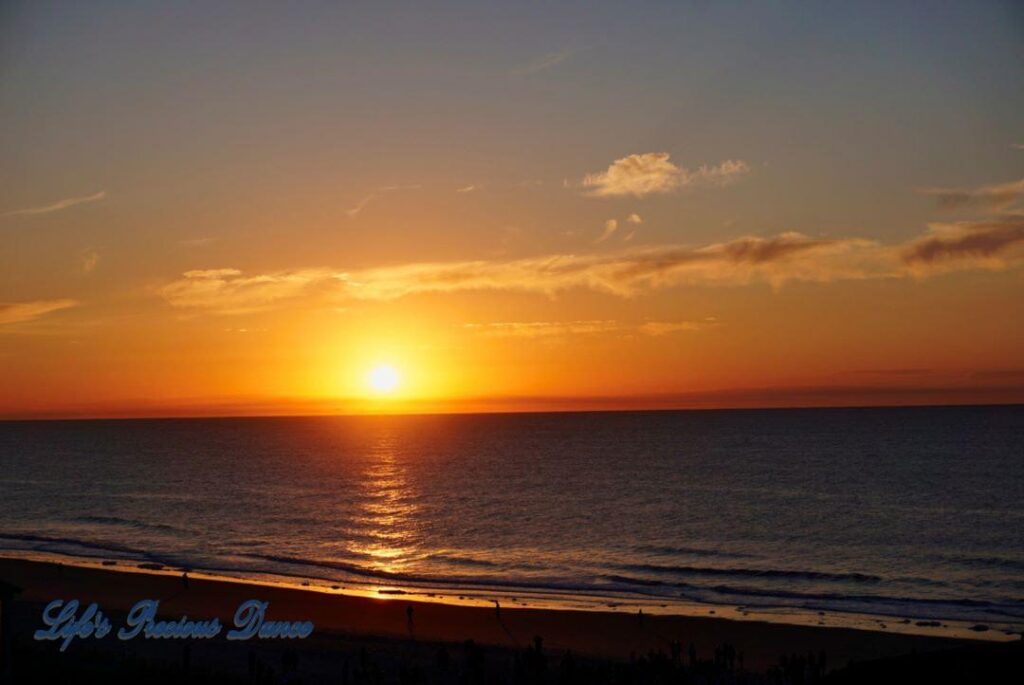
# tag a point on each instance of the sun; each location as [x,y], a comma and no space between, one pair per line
[383,379]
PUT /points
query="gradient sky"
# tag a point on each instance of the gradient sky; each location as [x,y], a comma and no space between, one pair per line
[244,207]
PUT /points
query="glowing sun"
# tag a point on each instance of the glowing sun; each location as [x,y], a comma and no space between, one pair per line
[383,379]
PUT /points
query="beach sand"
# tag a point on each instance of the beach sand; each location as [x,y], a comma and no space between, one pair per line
[346,624]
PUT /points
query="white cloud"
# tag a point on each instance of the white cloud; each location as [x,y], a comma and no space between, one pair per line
[634,219]
[653,173]
[637,175]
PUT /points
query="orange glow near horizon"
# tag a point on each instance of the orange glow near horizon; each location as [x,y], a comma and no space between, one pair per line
[384,225]
[448,354]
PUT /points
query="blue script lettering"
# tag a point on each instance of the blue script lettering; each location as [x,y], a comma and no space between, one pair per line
[250,622]
[63,623]
[142,617]
[68,626]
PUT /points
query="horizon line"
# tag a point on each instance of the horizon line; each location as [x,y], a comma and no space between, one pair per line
[500,412]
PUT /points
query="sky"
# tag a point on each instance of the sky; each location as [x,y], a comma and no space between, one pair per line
[259,208]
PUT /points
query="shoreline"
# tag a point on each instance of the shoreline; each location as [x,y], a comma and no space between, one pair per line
[543,599]
[609,634]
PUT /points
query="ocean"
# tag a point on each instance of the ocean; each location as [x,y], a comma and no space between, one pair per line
[912,514]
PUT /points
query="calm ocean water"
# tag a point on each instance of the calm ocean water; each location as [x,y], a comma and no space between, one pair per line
[915,513]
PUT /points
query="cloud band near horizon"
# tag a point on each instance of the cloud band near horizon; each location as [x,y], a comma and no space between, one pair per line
[777,260]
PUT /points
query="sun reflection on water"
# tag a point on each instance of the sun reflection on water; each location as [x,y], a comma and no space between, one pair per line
[388,513]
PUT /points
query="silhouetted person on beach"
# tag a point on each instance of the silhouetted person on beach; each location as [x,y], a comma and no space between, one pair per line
[497,609]
[184,580]
[536,662]
[408,618]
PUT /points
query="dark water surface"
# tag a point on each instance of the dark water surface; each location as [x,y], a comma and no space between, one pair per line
[913,512]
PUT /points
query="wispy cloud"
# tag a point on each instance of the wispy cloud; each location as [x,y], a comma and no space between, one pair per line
[88,260]
[633,220]
[653,173]
[20,312]
[542,329]
[543,63]
[790,256]
[564,329]
[776,260]
[610,227]
[659,328]
[197,242]
[466,189]
[383,190]
[57,206]
[996,197]
[230,291]
[983,241]
[723,174]
[359,206]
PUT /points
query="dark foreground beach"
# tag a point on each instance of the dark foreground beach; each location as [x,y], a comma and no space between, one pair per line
[394,639]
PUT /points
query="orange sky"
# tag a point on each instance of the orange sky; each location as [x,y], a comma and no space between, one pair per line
[513,212]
